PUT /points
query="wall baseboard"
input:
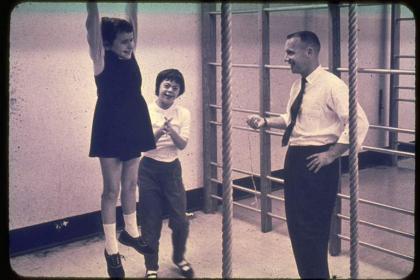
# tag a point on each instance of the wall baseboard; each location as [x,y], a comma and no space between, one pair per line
[59,232]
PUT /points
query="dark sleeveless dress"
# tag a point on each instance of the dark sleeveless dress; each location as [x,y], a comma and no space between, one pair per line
[121,123]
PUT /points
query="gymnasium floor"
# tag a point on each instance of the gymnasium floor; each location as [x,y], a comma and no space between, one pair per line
[256,254]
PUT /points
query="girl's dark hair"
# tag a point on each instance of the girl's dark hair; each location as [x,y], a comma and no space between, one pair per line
[110,27]
[171,75]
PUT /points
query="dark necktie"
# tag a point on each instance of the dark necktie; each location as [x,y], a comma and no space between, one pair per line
[294,110]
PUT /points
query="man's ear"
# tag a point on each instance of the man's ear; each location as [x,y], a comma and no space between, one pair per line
[310,51]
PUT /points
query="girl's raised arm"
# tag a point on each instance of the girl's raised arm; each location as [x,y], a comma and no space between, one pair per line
[94,37]
[131,11]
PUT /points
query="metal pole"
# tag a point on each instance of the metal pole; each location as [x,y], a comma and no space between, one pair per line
[226,139]
[334,62]
[265,143]
[393,91]
[208,45]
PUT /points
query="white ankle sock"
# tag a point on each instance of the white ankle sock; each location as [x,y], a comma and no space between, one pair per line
[111,244]
[131,227]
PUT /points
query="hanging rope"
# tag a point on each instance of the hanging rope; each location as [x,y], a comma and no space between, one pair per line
[226,139]
[354,172]
[252,173]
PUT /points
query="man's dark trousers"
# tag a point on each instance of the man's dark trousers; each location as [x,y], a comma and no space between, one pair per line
[309,202]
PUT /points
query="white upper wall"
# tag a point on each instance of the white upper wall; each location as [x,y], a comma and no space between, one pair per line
[53,95]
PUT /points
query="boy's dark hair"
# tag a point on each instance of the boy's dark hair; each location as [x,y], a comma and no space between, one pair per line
[110,27]
[170,75]
[308,38]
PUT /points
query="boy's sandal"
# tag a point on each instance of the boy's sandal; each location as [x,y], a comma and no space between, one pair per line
[151,274]
[185,269]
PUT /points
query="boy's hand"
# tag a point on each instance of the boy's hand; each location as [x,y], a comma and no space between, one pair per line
[164,129]
[168,126]
[167,120]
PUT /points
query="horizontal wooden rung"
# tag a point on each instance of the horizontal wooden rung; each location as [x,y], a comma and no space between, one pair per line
[405,19]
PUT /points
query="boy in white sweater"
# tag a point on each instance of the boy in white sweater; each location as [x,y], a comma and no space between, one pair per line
[160,174]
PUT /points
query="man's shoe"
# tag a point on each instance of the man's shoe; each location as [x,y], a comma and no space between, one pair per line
[151,274]
[114,265]
[185,269]
[135,242]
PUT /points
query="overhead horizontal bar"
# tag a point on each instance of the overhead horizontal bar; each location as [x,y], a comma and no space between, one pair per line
[288,8]
[296,8]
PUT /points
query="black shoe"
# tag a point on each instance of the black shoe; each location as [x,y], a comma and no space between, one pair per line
[185,269]
[136,242]
[150,274]
[114,265]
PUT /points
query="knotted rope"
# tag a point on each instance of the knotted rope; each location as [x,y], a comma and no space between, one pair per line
[226,139]
[354,173]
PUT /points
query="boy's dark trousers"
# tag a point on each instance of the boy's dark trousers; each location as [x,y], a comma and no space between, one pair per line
[309,202]
[160,186]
